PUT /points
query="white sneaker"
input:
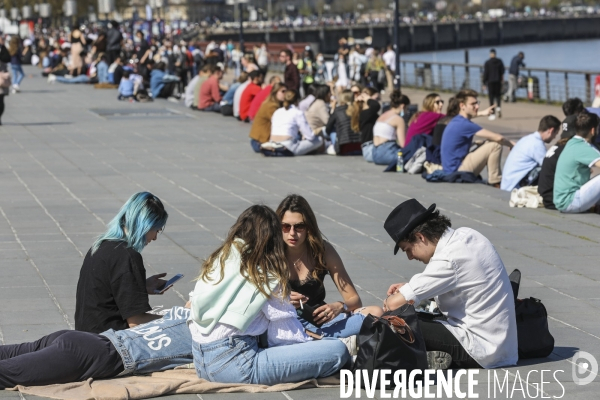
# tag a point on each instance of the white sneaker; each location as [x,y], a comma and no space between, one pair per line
[173,99]
[492,117]
[51,78]
[16,88]
[331,150]
[350,343]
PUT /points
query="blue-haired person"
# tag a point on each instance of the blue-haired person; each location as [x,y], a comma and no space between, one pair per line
[112,292]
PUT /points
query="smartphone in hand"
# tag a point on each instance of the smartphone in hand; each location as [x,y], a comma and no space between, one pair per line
[168,284]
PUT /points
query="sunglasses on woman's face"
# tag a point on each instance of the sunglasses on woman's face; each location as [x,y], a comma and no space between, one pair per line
[301,227]
[439,102]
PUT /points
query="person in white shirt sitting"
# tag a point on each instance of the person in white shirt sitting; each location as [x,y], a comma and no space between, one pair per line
[289,128]
[467,279]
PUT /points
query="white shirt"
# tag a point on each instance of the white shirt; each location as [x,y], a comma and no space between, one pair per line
[237,97]
[291,122]
[277,317]
[189,91]
[471,288]
[389,58]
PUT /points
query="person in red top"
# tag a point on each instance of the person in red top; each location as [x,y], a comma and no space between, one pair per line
[257,78]
[210,95]
[262,96]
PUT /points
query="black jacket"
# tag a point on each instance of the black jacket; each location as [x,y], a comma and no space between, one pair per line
[493,70]
[339,122]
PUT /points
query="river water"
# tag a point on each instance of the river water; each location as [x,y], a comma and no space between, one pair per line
[581,55]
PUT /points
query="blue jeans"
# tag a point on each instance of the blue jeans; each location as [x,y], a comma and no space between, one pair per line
[587,196]
[342,326]
[155,346]
[255,144]
[237,359]
[216,107]
[77,79]
[385,153]
[18,73]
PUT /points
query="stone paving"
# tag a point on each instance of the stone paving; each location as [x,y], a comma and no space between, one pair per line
[71,155]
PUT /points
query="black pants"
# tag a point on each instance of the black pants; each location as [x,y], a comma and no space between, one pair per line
[167,90]
[438,338]
[61,357]
[1,107]
[494,91]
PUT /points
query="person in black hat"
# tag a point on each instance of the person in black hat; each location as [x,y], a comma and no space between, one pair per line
[467,279]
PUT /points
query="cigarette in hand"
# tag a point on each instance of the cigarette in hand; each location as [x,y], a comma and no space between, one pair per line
[301,306]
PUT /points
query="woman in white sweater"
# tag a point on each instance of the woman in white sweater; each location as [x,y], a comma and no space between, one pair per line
[242,292]
[290,128]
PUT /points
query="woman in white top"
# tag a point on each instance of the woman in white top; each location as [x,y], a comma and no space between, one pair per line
[241,293]
[389,132]
[290,128]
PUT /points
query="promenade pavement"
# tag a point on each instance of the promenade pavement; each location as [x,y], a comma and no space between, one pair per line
[70,156]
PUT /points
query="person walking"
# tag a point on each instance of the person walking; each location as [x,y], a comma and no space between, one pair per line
[513,75]
[493,76]
[14,48]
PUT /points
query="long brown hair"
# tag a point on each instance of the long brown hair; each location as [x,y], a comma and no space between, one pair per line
[291,98]
[263,260]
[13,46]
[316,245]
[353,110]
[273,95]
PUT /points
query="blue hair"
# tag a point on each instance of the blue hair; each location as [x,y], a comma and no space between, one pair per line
[141,213]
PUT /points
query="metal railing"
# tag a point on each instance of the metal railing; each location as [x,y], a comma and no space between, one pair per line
[539,84]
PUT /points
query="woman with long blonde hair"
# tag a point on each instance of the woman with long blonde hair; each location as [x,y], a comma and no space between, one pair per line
[242,292]
[423,122]
[310,258]
[344,121]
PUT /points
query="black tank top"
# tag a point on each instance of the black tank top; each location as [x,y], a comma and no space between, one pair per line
[311,288]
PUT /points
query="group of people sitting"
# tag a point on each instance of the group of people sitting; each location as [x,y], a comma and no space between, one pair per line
[260,297]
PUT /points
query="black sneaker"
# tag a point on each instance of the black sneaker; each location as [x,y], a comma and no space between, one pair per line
[438,360]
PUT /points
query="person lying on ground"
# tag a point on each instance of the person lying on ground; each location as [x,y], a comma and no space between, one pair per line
[528,155]
[112,290]
[574,191]
[458,138]
[310,257]
[389,131]
[74,356]
[467,279]
[261,127]
[245,293]
[290,128]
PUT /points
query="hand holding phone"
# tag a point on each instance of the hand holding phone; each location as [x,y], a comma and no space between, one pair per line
[168,284]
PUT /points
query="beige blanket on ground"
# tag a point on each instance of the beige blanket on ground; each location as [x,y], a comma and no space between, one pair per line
[178,381]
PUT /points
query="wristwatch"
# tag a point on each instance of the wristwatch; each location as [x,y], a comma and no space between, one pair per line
[344,307]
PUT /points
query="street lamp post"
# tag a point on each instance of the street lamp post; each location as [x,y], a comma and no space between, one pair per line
[241,12]
[397,84]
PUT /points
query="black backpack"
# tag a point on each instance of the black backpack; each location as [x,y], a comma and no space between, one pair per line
[535,340]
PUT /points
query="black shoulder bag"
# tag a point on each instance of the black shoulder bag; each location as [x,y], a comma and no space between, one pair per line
[535,340]
[392,342]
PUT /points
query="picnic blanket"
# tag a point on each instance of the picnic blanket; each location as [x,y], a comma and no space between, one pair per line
[176,381]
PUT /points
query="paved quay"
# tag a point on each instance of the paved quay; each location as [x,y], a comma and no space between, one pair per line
[70,156]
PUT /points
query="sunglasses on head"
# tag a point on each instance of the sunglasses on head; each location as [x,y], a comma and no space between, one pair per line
[301,227]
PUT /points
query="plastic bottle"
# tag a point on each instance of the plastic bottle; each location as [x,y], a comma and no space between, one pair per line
[400,162]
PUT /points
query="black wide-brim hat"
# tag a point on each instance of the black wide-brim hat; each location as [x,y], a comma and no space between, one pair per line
[404,218]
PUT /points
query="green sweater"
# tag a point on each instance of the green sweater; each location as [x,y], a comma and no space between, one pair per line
[234,301]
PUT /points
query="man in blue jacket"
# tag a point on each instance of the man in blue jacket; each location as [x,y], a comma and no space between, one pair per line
[513,75]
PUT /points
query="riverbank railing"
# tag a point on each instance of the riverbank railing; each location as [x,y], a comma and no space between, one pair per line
[536,84]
